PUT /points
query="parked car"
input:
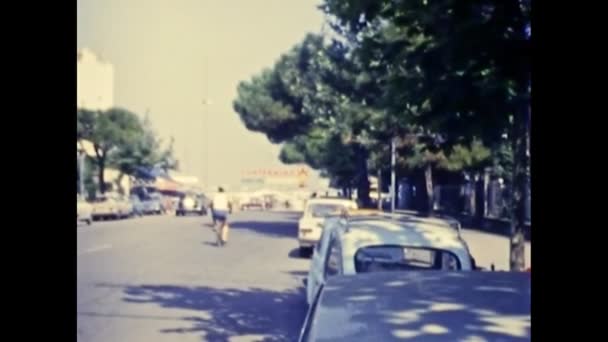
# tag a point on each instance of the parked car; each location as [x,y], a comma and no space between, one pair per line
[84,211]
[152,204]
[421,306]
[253,203]
[372,243]
[111,206]
[315,212]
[138,205]
[192,204]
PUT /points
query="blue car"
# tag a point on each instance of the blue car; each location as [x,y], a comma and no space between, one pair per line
[152,204]
[138,206]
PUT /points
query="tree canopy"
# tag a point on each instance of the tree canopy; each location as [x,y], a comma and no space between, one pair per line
[121,140]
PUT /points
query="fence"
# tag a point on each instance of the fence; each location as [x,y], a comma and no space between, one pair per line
[491,200]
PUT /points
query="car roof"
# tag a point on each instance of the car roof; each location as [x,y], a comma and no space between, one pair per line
[365,231]
[424,306]
[363,214]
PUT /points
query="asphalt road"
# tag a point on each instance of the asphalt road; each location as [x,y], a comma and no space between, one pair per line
[161,278]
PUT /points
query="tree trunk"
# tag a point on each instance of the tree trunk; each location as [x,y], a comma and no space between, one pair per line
[100,169]
[363,177]
[428,181]
[520,179]
[379,190]
[486,192]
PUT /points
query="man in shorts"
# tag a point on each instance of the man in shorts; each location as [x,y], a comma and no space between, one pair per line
[221,207]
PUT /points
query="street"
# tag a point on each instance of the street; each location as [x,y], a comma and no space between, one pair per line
[160,278]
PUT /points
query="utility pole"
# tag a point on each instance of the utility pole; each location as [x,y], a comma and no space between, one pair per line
[379,189]
[393,180]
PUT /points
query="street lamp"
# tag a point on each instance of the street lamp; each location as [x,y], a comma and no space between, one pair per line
[206,102]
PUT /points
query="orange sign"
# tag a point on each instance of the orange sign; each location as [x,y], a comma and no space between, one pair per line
[299,173]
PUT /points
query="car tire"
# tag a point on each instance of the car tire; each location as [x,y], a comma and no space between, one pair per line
[304,252]
[88,221]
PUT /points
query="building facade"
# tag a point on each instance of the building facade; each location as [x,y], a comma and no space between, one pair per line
[95,81]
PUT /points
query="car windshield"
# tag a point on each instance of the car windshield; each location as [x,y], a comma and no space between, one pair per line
[399,258]
[324,210]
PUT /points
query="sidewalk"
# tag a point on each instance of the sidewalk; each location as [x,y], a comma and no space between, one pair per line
[499,227]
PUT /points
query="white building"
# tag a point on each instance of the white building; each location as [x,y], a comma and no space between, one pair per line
[95,82]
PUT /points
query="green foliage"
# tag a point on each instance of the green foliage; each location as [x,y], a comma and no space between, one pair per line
[469,158]
[121,140]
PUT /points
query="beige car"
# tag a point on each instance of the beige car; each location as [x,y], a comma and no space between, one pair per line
[111,206]
[310,225]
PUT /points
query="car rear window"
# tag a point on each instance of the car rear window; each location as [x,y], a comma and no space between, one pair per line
[400,258]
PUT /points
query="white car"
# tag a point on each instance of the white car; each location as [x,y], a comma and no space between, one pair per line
[315,212]
[84,211]
[374,243]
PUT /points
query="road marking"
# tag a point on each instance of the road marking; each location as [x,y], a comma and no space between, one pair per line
[96,249]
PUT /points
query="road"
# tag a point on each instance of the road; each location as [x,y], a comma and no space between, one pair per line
[162,279]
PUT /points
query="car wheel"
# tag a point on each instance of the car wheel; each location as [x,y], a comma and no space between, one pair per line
[304,252]
[88,222]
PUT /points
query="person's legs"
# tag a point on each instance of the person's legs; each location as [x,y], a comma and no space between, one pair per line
[221,223]
[224,232]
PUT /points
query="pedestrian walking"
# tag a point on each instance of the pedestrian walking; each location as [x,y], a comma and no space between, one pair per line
[220,206]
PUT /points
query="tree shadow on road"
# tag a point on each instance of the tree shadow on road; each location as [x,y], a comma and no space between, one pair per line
[226,313]
[284,229]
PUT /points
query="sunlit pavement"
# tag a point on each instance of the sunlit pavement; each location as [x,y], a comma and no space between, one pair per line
[160,278]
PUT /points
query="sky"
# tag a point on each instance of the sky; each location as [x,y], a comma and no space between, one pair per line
[171,56]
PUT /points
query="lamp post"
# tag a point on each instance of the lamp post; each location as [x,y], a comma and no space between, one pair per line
[206,102]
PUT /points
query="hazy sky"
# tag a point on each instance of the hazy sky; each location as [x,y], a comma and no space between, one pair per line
[169,56]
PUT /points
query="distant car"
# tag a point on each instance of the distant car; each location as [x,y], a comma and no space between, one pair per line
[192,204]
[138,205]
[372,243]
[253,203]
[84,211]
[152,204]
[310,224]
[111,206]
[421,306]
